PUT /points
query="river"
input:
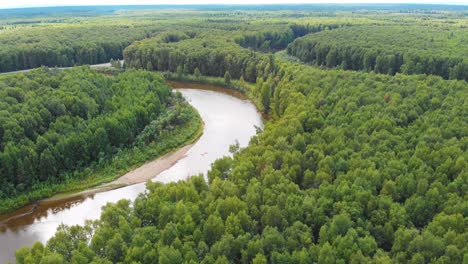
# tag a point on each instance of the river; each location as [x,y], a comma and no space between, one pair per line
[227,119]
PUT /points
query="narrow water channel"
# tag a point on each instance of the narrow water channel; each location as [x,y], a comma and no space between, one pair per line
[227,118]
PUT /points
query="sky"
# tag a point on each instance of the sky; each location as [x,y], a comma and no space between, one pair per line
[36,3]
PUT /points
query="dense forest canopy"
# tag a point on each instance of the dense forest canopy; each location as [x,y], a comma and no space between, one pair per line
[212,55]
[354,168]
[67,36]
[362,160]
[389,49]
[54,123]
[59,45]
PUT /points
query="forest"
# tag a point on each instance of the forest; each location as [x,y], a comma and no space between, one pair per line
[388,49]
[355,168]
[208,55]
[54,124]
[363,157]
[27,48]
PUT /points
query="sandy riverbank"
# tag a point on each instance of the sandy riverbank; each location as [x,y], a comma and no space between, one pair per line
[141,174]
[151,169]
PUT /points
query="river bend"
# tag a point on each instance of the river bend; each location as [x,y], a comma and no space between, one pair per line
[226,118]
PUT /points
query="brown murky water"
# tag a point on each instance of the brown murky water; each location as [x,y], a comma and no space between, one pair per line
[227,116]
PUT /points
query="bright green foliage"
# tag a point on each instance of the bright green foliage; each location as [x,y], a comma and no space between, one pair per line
[353,168]
[439,51]
[26,48]
[212,55]
[55,123]
[276,34]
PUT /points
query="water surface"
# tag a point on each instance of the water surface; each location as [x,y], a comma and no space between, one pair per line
[227,118]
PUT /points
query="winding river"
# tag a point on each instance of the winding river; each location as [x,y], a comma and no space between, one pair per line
[227,118]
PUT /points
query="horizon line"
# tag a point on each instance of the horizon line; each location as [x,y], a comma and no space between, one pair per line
[237,4]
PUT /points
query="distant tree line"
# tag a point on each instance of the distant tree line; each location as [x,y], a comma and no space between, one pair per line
[388,50]
[272,40]
[57,46]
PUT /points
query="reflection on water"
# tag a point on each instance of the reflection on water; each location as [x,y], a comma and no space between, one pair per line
[226,119]
[27,215]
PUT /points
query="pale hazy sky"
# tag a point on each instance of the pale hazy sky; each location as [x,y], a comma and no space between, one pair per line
[34,3]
